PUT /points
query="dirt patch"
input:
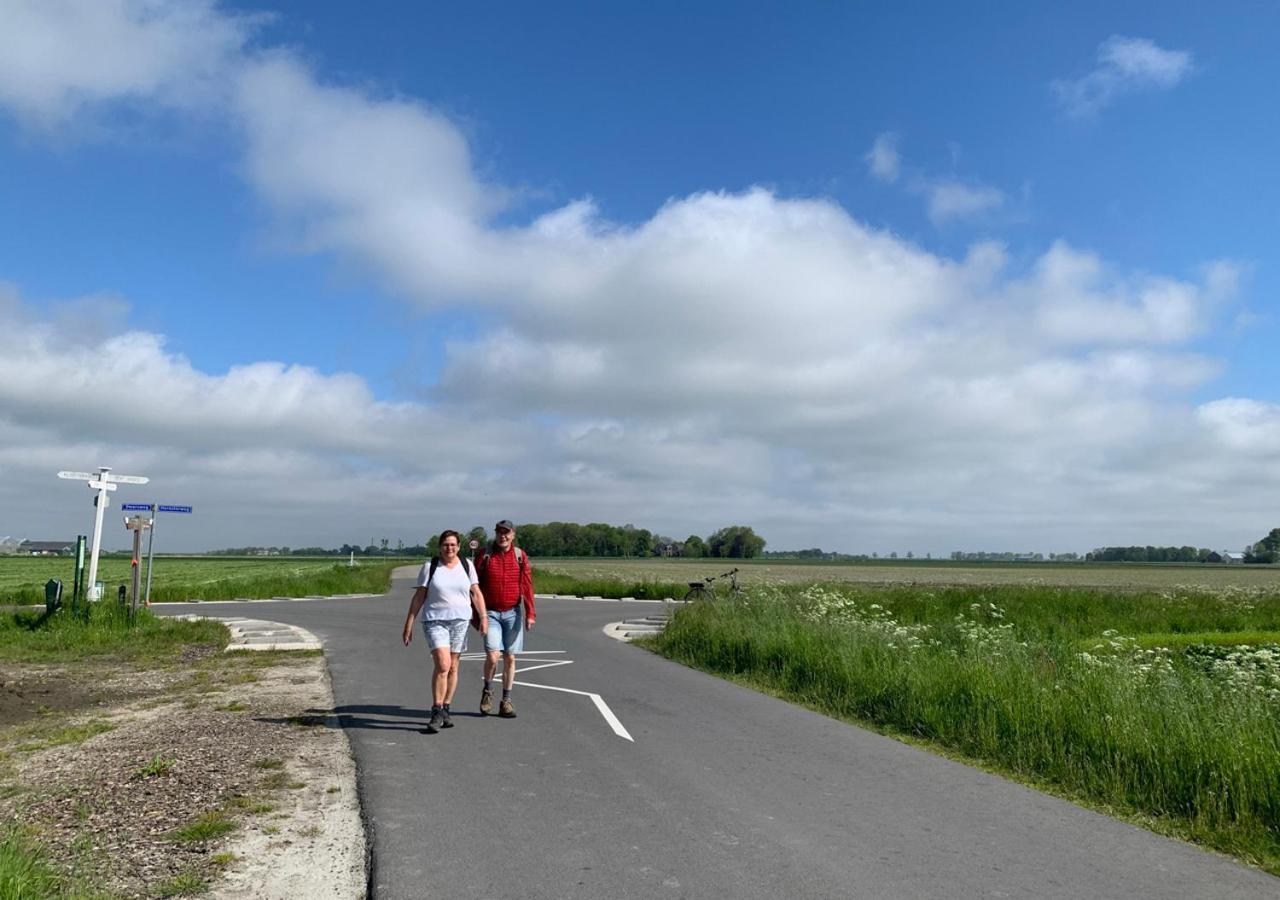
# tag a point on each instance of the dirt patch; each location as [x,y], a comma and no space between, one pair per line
[25,695]
[205,778]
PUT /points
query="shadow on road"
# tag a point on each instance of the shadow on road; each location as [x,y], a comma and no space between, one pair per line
[374,717]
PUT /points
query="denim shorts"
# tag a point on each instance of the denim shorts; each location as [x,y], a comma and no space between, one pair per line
[451,633]
[506,631]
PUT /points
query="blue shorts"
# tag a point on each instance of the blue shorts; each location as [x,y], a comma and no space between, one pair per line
[506,631]
[451,633]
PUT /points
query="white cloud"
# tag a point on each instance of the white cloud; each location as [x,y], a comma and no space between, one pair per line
[774,358]
[883,159]
[58,57]
[949,199]
[1125,65]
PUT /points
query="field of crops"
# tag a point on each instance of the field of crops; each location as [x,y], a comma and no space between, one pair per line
[22,578]
[760,572]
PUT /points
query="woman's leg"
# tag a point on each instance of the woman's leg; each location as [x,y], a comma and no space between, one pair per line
[456,660]
[442,659]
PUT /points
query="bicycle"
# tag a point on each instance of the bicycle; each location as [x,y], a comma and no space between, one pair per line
[706,589]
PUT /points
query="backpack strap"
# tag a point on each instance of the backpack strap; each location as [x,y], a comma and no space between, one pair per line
[466,566]
[431,573]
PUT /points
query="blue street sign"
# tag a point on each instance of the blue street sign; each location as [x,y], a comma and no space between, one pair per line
[183,509]
[141,506]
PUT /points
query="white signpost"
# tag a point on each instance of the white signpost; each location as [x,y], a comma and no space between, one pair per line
[102,482]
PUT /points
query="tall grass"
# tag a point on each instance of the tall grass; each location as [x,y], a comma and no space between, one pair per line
[33,636]
[24,875]
[1145,732]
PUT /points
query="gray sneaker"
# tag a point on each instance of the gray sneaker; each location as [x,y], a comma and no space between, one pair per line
[506,710]
[486,702]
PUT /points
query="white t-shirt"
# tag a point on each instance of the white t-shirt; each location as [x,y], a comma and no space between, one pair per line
[449,596]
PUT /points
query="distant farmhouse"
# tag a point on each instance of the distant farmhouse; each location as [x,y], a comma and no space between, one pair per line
[1231,556]
[46,547]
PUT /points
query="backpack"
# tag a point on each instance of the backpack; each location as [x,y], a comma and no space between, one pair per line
[482,561]
[435,561]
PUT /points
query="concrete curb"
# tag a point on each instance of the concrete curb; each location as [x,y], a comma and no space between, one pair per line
[629,629]
[259,634]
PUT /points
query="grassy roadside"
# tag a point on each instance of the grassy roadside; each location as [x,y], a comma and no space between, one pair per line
[31,636]
[550,581]
[176,579]
[1187,743]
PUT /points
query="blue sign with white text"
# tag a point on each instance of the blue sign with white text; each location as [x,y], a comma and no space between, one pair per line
[141,506]
[183,509]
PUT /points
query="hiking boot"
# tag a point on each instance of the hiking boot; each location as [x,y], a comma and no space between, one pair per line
[435,722]
[486,702]
[506,710]
[446,720]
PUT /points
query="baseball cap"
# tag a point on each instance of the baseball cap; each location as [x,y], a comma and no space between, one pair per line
[505,523]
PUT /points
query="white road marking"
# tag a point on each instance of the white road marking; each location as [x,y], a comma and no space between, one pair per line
[603,707]
[600,705]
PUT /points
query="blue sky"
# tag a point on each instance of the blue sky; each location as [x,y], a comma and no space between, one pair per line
[1116,155]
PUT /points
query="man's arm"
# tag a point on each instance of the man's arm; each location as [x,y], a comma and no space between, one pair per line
[419,597]
[526,591]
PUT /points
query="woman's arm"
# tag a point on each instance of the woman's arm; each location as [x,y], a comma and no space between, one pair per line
[477,603]
[419,597]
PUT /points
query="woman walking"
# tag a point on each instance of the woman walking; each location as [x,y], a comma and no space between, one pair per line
[446,593]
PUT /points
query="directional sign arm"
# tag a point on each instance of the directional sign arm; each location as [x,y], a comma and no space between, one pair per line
[126,479]
[78,476]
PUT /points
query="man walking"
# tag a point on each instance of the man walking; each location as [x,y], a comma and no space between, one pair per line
[507,585]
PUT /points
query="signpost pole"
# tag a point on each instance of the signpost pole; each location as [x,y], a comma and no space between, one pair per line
[137,549]
[77,595]
[97,531]
[151,546]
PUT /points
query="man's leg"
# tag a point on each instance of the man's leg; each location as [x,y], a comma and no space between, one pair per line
[492,646]
[512,643]
[508,671]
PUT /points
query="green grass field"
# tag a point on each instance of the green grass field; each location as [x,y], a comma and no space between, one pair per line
[760,572]
[1160,705]
[22,578]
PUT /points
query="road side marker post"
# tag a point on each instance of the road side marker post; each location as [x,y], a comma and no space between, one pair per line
[102,482]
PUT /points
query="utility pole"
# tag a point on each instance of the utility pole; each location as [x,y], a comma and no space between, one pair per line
[103,482]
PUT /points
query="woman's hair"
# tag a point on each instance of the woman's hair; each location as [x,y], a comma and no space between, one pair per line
[449,534]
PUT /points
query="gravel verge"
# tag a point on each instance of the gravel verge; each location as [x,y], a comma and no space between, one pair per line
[216,776]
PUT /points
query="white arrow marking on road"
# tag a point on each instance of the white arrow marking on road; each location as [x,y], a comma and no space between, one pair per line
[600,705]
[605,711]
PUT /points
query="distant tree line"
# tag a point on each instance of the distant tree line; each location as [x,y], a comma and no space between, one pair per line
[1152,554]
[556,539]
[553,539]
[1266,550]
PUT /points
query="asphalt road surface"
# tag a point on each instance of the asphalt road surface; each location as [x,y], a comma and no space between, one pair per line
[718,792]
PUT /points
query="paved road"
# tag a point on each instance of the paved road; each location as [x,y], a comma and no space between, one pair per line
[722,792]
